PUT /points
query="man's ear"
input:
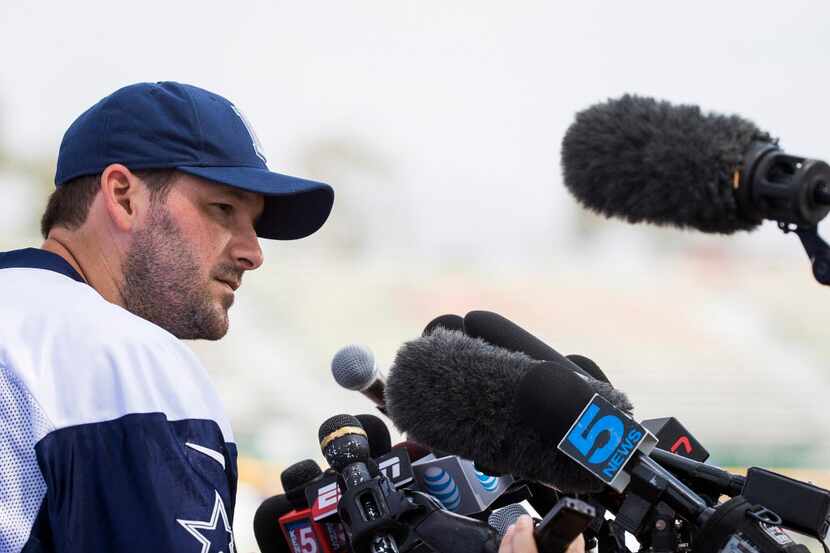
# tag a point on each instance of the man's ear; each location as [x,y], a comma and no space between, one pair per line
[125,197]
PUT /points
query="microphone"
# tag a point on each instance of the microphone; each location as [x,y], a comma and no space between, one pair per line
[530,418]
[305,535]
[709,479]
[302,533]
[415,450]
[562,524]
[447,322]
[589,366]
[502,519]
[323,493]
[459,394]
[354,368]
[395,463]
[380,442]
[267,529]
[645,160]
[502,332]
[295,479]
[346,448]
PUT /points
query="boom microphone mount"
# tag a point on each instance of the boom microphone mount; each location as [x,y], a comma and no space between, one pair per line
[650,161]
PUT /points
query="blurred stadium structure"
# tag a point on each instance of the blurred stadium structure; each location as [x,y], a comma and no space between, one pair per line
[442,143]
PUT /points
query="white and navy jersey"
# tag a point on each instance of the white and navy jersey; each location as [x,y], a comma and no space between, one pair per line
[112,438]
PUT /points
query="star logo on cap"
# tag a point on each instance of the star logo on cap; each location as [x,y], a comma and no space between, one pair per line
[211,532]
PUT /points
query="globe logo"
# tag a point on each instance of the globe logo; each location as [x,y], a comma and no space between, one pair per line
[489,483]
[442,487]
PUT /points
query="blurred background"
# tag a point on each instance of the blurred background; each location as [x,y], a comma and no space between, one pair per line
[439,125]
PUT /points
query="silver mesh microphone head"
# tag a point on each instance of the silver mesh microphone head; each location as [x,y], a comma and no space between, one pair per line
[353,367]
[503,518]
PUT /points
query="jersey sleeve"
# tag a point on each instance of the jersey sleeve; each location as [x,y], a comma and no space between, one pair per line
[137,483]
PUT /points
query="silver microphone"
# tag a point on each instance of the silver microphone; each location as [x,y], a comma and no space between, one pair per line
[354,368]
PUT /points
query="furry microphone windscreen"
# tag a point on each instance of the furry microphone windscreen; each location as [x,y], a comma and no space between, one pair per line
[499,408]
[645,160]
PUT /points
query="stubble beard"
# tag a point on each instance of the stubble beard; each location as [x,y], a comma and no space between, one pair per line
[164,285]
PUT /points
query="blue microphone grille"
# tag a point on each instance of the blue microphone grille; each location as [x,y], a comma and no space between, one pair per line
[501,519]
[353,367]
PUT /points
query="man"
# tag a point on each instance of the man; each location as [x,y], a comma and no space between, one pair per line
[113,439]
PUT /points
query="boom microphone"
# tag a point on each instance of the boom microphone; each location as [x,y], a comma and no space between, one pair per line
[462,395]
[645,160]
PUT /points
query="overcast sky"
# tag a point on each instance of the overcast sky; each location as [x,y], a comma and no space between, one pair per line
[444,118]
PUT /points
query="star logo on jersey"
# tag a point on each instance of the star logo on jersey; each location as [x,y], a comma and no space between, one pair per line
[215,535]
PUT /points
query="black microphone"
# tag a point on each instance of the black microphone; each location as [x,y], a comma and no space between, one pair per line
[380,442]
[645,160]
[447,322]
[295,478]
[345,446]
[502,332]
[707,479]
[473,399]
[267,530]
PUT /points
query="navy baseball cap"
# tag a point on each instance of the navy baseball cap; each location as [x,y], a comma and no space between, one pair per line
[172,125]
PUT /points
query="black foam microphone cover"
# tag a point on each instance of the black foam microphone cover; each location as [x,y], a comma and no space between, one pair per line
[447,322]
[501,331]
[380,442]
[499,408]
[645,160]
[300,473]
[295,479]
[267,531]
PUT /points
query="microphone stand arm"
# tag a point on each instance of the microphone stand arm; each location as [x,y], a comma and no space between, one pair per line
[817,250]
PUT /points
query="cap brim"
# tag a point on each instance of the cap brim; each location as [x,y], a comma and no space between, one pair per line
[294,208]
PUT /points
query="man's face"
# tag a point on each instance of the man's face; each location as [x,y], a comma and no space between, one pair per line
[187,259]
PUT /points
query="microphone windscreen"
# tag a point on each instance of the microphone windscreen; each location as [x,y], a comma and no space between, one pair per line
[380,442]
[335,423]
[447,322]
[295,479]
[267,531]
[300,474]
[502,332]
[640,159]
[496,407]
